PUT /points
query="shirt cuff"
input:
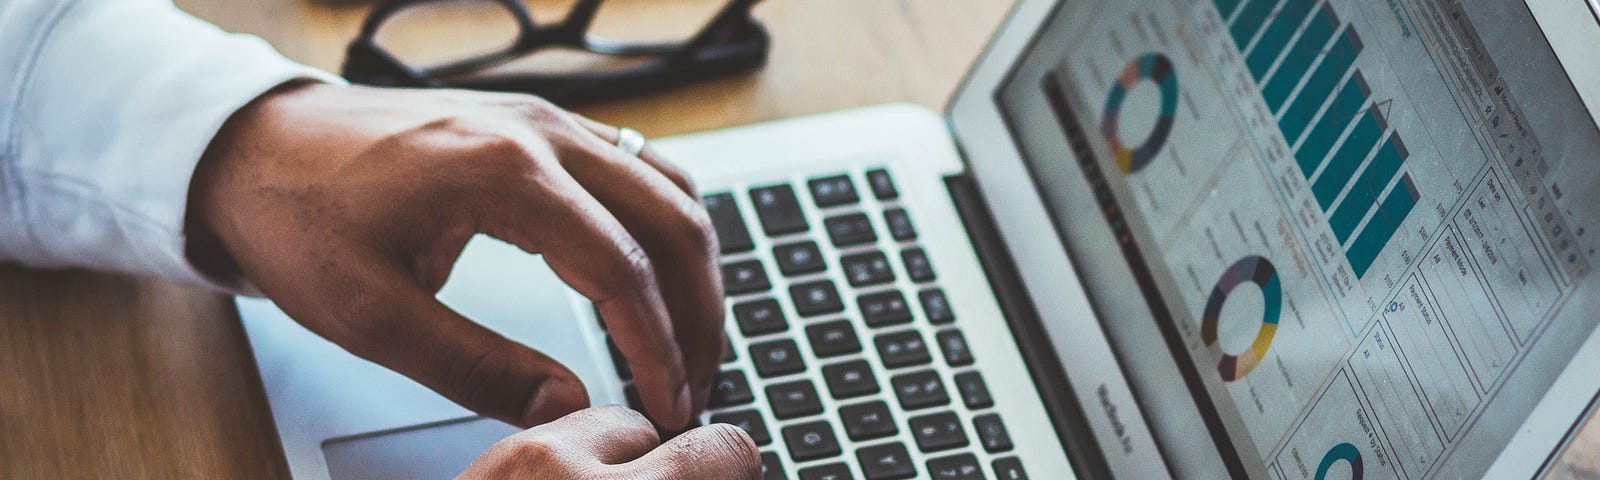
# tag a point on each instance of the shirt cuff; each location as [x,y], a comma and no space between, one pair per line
[115,113]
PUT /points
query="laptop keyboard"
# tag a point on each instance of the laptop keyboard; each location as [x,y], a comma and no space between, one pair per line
[831,396]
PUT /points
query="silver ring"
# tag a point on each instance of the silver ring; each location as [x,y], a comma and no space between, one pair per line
[630,141]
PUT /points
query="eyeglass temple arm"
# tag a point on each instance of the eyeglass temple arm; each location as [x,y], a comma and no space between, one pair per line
[730,17]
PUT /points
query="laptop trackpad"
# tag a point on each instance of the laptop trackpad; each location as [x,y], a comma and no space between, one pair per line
[440,450]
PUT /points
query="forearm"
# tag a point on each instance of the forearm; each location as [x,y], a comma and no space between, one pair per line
[105,109]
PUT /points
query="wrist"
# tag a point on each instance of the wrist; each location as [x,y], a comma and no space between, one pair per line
[249,135]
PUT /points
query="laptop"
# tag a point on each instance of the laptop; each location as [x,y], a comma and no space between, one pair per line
[1286,239]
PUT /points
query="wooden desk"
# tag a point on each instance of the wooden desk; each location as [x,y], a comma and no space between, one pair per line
[109,376]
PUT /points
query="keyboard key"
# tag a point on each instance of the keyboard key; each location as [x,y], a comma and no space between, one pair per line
[868,421]
[831,191]
[882,185]
[884,308]
[869,268]
[919,390]
[899,224]
[816,298]
[939,431]
[731,389]
[750,421]
[901,349]
[728,223]
[744,277]
[889,461]
[794,399]
[758,317]
[917,265]
[992,433]
[799,258]
[850,229]
[772,467]
[936,307]
[955,467]
[954,347]
[850,379]
[810,441]
[779,210]
[727,350]
[974,393]
[831,471]
[778,357]
[833,338]
[1009,468]
[623,372]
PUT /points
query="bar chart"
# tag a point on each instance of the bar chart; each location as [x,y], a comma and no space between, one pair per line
[1303,57]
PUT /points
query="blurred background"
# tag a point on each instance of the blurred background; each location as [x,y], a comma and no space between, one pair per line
[826,54]
[115,376]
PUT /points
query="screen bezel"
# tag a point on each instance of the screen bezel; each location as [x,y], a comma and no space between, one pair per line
[995,160]
[996,163]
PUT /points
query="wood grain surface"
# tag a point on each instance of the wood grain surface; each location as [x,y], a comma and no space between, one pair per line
[112,376]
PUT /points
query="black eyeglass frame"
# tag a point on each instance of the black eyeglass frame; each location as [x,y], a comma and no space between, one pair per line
[732,42]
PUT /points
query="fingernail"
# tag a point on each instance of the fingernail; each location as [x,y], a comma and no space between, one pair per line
[682,406]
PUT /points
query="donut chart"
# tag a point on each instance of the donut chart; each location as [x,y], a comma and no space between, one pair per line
[1344,451]
[1254,269]
[1154,67]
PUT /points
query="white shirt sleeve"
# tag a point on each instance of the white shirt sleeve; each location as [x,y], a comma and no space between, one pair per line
[105,108]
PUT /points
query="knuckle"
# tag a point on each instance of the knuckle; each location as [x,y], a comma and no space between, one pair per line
[537,108]
[678,176]
[620,417]
[696,230]
[633,269]
[362,324]
[479,381]
[731,445]
[528,450]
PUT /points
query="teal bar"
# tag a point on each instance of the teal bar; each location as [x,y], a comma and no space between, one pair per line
[1298,62]
[1340,114]
[1250,19]
[1382,226]
[1225,8]
[1320,86]
[1346,160]
[1276,38]
[1364,193]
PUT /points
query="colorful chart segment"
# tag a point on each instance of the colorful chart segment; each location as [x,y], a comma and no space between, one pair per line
[1304,60]
[1346,452]
[1154,67]
[1254,269]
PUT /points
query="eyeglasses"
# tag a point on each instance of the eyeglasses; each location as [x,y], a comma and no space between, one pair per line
[732,42]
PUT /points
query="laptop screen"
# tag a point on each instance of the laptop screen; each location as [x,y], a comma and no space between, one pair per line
[1364,228]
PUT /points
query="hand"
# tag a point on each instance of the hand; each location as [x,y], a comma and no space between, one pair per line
[615,442]
[348,206]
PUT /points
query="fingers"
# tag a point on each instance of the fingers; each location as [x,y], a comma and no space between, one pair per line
[590,249]
[676,233]
[608,134]
[610,434]
[574,446]
[615,442]
[714,452]
[375,309]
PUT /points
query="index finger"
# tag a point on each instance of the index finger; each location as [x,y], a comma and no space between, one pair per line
[589,248]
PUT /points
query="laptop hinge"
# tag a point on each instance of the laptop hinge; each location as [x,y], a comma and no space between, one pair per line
[1044,365]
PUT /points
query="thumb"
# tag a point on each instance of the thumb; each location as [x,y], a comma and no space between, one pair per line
[714,452]
[378,312]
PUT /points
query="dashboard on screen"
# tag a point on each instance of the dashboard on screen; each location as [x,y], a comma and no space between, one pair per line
[1363,227]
